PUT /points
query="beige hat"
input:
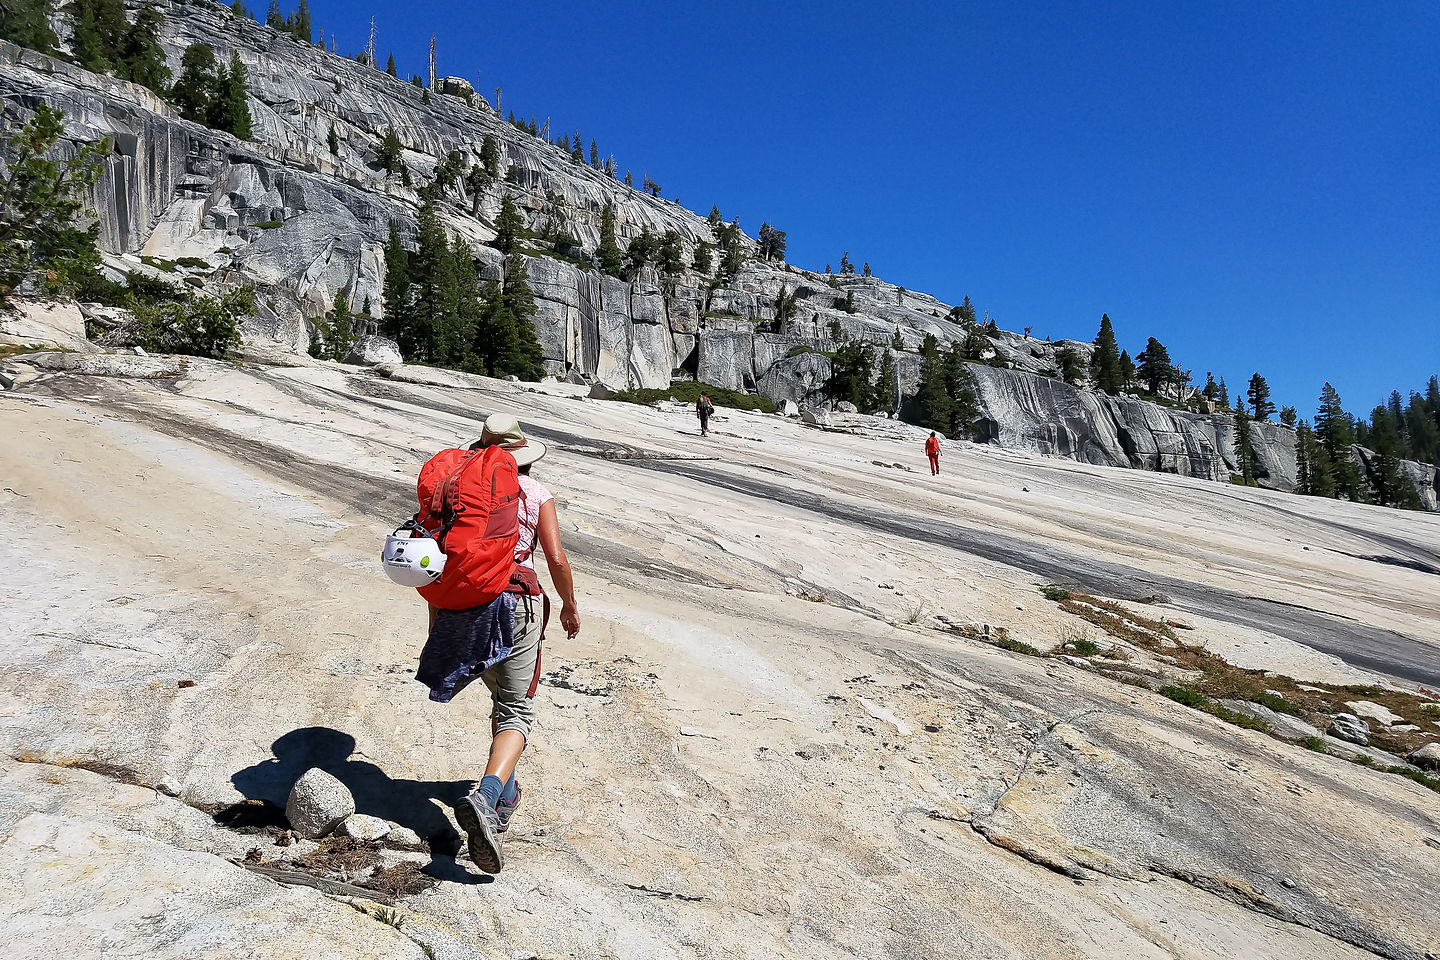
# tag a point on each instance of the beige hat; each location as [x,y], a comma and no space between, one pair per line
[503,429]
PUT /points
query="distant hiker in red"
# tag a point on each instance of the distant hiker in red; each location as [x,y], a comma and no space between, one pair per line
[487,608]
[932,450]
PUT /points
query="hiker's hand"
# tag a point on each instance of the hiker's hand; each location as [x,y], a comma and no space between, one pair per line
[570,620]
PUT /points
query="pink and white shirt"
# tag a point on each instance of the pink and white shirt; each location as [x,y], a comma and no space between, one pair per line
[533,497]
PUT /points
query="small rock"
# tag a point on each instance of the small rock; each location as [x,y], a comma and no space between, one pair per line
[1348,727]
[6,381]
[140,351]
[1075,661]
[185,684]
[1287,883]
[317,804]
[361,826]
[1427,757]
[690,732]
[1019,606]
[402,837]
[884,586]
[169,786]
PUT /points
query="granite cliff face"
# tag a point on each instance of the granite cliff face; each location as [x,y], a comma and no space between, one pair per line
[285,214]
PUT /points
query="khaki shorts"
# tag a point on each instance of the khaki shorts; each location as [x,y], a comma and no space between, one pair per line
[514,680]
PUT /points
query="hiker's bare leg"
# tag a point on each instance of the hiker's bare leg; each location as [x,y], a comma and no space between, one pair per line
[505,753]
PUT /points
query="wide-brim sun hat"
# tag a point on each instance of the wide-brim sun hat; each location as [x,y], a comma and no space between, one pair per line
[503,430]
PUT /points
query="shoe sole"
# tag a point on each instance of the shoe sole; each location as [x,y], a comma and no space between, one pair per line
[484,844]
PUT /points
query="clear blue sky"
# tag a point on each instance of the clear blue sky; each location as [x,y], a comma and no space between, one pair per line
[1256,184]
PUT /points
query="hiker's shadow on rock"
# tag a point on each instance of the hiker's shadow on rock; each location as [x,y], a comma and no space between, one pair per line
[410,803]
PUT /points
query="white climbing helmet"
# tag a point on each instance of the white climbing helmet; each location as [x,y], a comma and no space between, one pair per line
[412,561]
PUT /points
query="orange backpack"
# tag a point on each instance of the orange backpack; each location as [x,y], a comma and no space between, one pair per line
[470,504]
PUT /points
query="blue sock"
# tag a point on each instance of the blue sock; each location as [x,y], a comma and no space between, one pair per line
[511,793]
[490,788]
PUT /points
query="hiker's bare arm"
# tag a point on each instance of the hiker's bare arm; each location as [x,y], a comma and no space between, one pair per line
[547,531]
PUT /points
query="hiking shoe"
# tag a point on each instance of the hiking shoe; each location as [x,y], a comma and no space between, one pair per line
[481,824]
[504,811]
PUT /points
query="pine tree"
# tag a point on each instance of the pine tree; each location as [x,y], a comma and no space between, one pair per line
[1260,398]
[469,308]
[850,372]
[849,306]
[390,66]
[1303,443]
[1129,374]
[670,257]
[522,356]
[301,29]
[87,46]
[397,293]
[435,310]
[198,83]
[883,396]
[1105,368]
[1335,430]
[866,271]
[704,258]
[577,149]
[1288,416]
[934,409]
[612,261]
[594,156]
[641,251]
[1155,368]
[26,23]
[332,140]
[1072,368]
[274,18]
[846,267]
[1224,395]
[140,58]
[230,110]
[963,314]
[1244,450]
[337,344]
[960,385]
[389,152]
[897,342]
[714,217]
[786,305]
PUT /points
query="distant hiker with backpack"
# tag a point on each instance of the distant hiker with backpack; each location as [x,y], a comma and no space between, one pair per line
[481,517]
[932,450]
[704,409]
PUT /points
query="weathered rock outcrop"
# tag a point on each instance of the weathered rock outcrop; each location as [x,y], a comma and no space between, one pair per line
[299,222]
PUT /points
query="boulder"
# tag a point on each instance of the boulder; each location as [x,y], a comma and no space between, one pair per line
[1374,711]
[845,406]
[318,804]
[369,351]
[598,391]
[1347,726]
[788,408]
[1427,757]
[362,826]
[45,324]
[814,417]
[108,364]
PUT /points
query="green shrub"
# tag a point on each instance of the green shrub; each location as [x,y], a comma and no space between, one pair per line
[1417,776]
[159,264]
[1275,702]
[270,225]
[1083,648]
[689,391]
[1186,695]
[1055,593]
[1005,642]
[799,349]
[200,326]
[194,263]
[1314,743]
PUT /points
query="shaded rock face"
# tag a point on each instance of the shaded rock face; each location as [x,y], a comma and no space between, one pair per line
[368,351]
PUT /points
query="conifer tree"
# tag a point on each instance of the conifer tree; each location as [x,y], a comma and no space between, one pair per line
[669,256]
[1072,368]
[1288,416]
[715,219]
[230,110]
[273,17]
[883,396]
[1244,451]
[1303,483]
[198,83]
[389,152]
[866,271]
[641,251]
[897,342]
[1105,368]
[26,23]
[1212,389]
[1155,368]
[1260,398]
[521,355]
[960,385]
[594,155]
[1224,395]
[846,267]
[435,310]
[390,66]
[964,313]
[1128,372]
[704,258]
[849,301]
[1335,430]
[934,409]
[337,344]
[612,261]
[140,58]
[850,372]
[332,140]
[301,28]
[397,294]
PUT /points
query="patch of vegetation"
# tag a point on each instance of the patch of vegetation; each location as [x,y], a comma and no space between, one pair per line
[159,263]
[799,349]
[1194,698]
[1314,743]
[194,263]
[1431,708]
[1055,593]
[270,225]
[1275,702]
[1417,776]
[689,391]
[916,615]
[1082,648]
[1004,641]
[8,350]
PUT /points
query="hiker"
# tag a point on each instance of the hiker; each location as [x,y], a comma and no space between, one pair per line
[500,639]
[932,450]
[704,409]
